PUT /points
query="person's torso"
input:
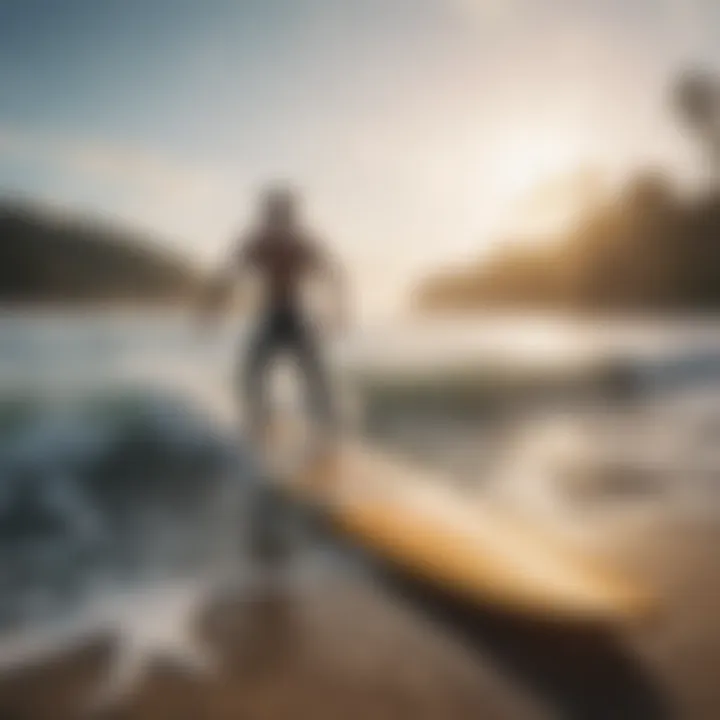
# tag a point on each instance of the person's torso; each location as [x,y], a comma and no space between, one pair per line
[282,259]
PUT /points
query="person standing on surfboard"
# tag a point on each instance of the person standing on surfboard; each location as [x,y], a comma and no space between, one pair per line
[283,254]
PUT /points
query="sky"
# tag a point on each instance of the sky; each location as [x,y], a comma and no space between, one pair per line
[413,127]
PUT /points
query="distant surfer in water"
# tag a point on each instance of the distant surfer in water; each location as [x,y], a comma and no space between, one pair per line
[284,255]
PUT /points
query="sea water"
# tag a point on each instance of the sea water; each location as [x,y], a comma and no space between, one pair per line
[123,483]
[124,477]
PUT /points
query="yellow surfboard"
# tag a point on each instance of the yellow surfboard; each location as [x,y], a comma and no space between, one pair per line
[420,524]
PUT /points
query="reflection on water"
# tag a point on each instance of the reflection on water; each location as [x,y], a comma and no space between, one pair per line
[614,417]
[122,481]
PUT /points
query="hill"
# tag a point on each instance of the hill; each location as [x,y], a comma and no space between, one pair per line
[646,249]
[48,258]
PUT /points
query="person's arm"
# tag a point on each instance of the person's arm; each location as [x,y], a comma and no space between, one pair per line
[332,270]
[218,289]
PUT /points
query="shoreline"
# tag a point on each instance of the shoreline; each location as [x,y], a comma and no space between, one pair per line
[336,650]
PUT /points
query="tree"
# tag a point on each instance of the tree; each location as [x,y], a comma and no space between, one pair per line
[697,100]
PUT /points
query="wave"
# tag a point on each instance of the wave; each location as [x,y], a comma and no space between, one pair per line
[134,488]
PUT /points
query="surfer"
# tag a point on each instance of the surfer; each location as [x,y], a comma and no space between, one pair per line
[283,254]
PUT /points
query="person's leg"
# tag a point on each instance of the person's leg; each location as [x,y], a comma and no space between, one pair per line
[270,545]
[257,359]
[307,350]
[322,471]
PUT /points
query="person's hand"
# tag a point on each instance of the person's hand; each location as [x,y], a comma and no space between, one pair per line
[339,321]
[209,314]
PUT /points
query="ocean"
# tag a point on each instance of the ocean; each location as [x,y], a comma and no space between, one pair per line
[125,477]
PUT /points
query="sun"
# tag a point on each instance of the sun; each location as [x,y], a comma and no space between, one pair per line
[526,159]
[538,175]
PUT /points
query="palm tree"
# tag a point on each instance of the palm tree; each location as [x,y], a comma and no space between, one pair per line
[697,100]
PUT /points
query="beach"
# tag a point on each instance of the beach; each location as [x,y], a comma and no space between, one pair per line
[339,649]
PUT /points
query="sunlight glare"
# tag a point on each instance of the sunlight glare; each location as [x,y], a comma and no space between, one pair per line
[526,162]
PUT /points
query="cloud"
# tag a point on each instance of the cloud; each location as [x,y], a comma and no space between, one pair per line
[190,202]
[113,163]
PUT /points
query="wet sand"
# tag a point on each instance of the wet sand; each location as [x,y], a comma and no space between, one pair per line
[682,646]
[335,650]
[343,647]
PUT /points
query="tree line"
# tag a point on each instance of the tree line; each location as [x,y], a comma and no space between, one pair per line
[45,258]
[647,248]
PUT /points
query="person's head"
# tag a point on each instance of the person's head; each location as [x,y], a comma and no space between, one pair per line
[280,206]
